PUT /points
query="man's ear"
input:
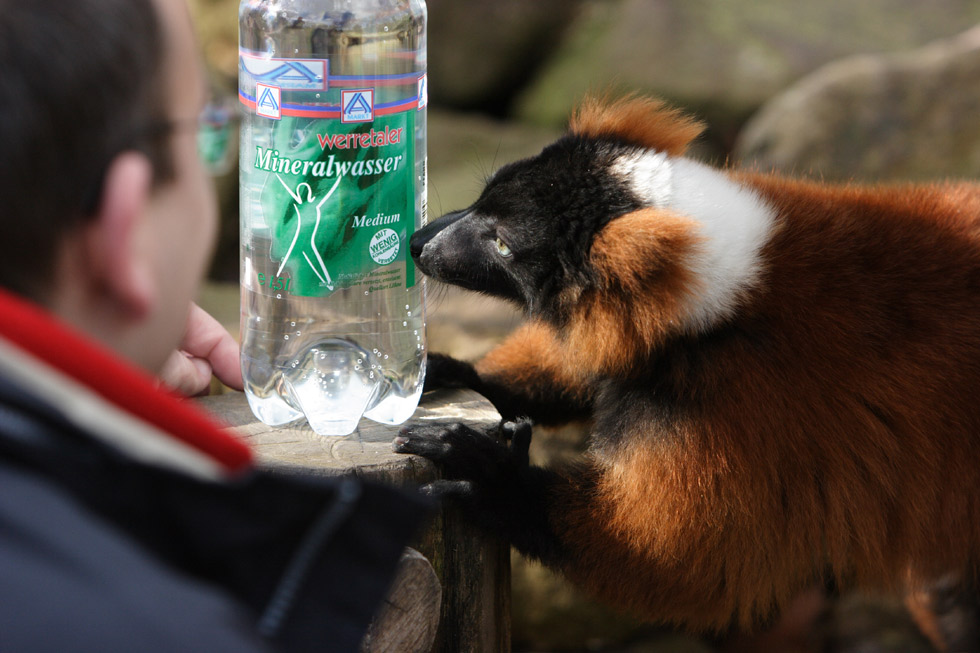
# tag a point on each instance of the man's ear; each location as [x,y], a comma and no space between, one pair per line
[116,256]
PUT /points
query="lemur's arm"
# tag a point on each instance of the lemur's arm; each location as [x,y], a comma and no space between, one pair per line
[526,376]
[643,531]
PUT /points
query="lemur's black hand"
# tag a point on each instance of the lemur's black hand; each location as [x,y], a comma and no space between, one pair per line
[490,481]
[478,469]
[442,371]
[466,454]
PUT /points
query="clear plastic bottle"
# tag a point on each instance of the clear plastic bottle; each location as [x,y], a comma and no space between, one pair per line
[333,184]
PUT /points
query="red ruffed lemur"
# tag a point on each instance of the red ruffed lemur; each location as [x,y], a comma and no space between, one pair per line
[782,377]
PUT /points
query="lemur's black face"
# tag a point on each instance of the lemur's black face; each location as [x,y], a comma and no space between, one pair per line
[528,235]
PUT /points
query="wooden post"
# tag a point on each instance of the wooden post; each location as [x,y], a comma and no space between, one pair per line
[474,571]
[409,619]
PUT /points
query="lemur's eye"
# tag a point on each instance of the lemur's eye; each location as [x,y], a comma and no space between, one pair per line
[502,248]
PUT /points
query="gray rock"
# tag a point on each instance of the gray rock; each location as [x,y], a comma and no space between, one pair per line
[724,59]
[901,116]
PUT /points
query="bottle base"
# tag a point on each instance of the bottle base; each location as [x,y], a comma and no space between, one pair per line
[332,386]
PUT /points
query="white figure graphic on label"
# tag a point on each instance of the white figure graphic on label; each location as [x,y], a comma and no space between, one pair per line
[322,273]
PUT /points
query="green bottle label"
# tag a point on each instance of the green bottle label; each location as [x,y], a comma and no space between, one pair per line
[339,199]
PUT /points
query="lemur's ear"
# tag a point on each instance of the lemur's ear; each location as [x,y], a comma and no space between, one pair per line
[642,121]
[642,262]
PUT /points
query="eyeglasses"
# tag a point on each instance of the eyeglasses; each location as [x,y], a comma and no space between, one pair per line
[214,137]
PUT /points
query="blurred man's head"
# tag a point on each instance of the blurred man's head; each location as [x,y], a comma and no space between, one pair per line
[106,212]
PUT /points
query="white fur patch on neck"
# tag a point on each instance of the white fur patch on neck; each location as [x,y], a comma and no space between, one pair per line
[648,175]
[735,222]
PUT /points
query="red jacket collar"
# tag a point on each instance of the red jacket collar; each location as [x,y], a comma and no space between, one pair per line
[105,389]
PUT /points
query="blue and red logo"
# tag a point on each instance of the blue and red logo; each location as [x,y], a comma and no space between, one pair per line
[357,106]
[268,101]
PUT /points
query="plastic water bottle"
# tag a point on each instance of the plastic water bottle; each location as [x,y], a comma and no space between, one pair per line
[333,184]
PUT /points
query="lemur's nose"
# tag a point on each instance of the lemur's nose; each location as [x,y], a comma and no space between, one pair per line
[421,237]
[418,240]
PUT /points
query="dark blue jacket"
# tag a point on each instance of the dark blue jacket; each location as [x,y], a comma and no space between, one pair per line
[101,552]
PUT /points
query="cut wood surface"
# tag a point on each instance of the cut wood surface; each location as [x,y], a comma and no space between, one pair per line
[367,452]
[472,611]
[409,618]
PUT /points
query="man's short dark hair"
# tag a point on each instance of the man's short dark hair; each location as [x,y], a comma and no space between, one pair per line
[80,82]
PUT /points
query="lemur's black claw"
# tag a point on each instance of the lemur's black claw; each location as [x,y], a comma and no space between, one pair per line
[439,442]
[518,433]
[430,448]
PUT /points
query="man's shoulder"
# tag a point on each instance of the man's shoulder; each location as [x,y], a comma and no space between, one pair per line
[69,580]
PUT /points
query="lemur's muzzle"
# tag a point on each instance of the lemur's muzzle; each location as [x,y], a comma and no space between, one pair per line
[424,236]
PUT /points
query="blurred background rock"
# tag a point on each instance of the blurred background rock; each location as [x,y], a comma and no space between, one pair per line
[874,90]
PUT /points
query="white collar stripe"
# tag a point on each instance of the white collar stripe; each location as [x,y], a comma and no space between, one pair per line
[735,222]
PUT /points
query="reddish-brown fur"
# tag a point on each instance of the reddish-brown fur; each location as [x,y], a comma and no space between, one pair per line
[531,358]
[833,426]
[640,120]
[638,255]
